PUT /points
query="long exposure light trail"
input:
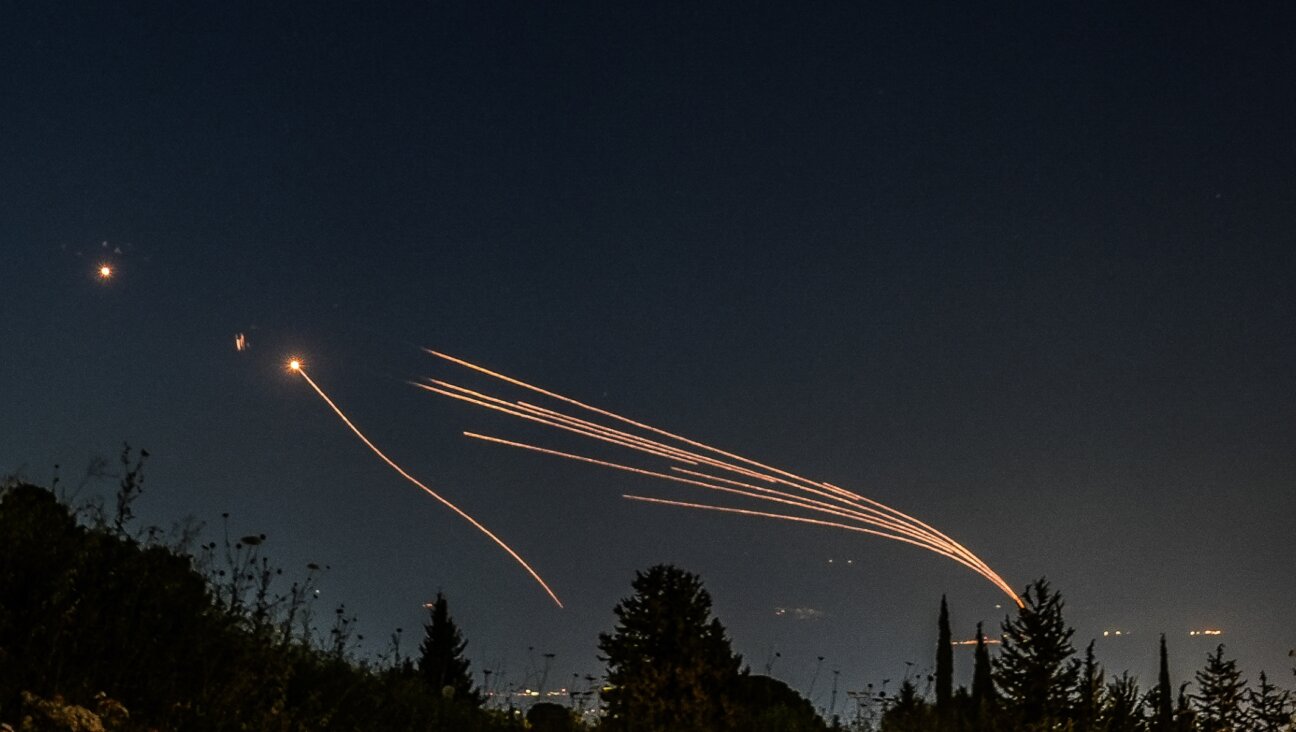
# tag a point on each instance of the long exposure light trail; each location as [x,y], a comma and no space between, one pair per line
[888,522]
[802,481]
[784,517]
[297,367]
[752,491]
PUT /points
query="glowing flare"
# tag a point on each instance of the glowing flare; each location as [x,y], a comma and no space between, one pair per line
[296,365]
[105,271]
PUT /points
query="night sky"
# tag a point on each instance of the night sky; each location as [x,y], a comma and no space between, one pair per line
[1023,271]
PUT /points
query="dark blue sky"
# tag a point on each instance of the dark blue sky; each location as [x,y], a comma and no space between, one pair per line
[1024,271]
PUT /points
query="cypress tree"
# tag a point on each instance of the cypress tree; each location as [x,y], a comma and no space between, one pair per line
[944,666]
[983,693]
[1163,711]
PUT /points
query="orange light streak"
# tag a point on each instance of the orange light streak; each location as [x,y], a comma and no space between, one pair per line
[509,408]
[802,483]
[765,494]
[854,502]
[295,365]
[845,493]
[785,517]
[842,496]
[863,513]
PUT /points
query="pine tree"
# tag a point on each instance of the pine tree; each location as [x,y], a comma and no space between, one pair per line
[1161,699]
[441,661]
[944,667]
[1220,693]
[670,665]
[1035,670]
[1269,709]
[983,692]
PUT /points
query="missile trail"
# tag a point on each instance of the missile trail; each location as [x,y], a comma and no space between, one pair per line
[802,480]
[757,492]
[864,510]
[577,425]
[297,367]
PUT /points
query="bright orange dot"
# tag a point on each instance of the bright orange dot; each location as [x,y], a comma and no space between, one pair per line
[295,365]
[105,271]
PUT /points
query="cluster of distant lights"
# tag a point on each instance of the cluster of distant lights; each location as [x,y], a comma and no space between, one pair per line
[1119,633]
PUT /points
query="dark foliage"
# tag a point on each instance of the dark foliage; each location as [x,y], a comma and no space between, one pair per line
[909,712]
[124,631]
[1035,670]
[1219,694]
[984,700]
[1269,708]
[670,666]
[441,662]
[1161,699]
[764,704]
[944,666]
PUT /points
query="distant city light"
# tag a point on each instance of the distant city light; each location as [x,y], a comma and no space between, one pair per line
[799,613]
[988,642]
[1108,633]
[1206,632]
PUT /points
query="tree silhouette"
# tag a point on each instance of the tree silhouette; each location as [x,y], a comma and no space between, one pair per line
[670,665]
[1089,692]
[1161,700]
[984,700]
[441,660]
[1219,694]
[1185,717]
[1269,709]
[1121,710]
[1035,670]
[909,713]
[944,667]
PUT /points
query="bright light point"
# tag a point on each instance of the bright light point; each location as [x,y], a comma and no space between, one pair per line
[294,365]
[105,271]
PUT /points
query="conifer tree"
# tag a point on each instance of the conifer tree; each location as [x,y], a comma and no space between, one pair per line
[670,665]
[1161,698]
[1219,694]
[983,693]
[441,661]
[1089,692]
[944,666]
[1035,670]
[1185,718]
[1121,710]
[1269,708]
